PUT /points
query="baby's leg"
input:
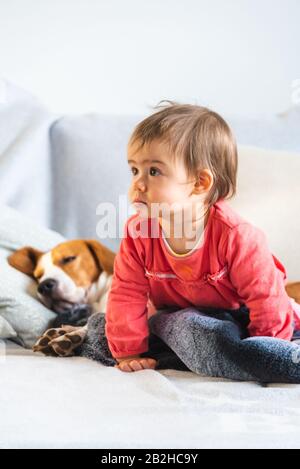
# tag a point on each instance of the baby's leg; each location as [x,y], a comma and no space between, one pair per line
[214,347]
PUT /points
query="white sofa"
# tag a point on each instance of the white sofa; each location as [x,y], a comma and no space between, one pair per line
[56,170]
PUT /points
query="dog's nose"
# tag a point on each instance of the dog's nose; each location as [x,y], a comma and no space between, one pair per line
[46,287]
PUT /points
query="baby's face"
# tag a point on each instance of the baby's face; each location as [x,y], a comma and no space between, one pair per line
[160,180]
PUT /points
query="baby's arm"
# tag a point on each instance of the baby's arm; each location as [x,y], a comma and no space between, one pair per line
[259,282]
[126,326]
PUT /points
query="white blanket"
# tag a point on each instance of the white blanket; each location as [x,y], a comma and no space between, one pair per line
[50,402]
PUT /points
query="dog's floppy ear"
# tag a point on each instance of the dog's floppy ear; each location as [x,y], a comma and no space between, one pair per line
[293,290]
[25,259]
[104,256]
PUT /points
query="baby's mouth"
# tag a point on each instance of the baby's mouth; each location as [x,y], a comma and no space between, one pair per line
[139,204]
[139,201]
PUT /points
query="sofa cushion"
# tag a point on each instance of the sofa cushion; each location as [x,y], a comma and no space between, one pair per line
[6,331]
[90,167]
[22,316]
[25,156]
[268,195]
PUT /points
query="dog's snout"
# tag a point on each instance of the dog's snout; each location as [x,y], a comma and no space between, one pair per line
[46,287]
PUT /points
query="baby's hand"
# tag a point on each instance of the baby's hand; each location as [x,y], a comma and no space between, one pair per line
[136,364]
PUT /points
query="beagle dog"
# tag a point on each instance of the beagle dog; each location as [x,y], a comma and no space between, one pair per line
[73,278]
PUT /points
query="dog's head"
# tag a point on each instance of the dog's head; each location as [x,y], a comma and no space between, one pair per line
[66,273]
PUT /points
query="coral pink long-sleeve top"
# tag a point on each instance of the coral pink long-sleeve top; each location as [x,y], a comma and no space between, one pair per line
[230,266]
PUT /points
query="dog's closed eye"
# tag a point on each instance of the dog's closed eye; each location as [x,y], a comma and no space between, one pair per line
[67,260]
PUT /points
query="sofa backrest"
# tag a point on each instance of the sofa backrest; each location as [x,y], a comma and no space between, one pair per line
[89,167]
[25,156]
[57,170]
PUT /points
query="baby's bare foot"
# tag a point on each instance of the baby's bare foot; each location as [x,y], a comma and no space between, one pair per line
[137,364]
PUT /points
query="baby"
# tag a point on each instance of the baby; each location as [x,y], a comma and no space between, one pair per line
[185,246]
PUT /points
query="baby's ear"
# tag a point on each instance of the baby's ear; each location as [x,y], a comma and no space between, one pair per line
[25,259]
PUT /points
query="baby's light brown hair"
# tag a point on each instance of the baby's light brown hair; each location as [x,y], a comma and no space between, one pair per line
[198,136]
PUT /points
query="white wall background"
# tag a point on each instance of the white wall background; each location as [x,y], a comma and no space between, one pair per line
[123,56]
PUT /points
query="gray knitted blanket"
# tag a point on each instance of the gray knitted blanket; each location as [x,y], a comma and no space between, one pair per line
[209,342]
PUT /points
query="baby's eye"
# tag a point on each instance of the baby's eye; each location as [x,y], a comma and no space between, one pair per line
[133,171]
[157,171]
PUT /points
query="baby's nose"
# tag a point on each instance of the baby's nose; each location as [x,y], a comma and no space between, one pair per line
[141,186]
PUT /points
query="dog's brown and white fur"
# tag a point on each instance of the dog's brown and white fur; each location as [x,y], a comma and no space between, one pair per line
[71,275]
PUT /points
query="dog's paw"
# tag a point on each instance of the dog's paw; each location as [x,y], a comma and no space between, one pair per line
[61,341]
